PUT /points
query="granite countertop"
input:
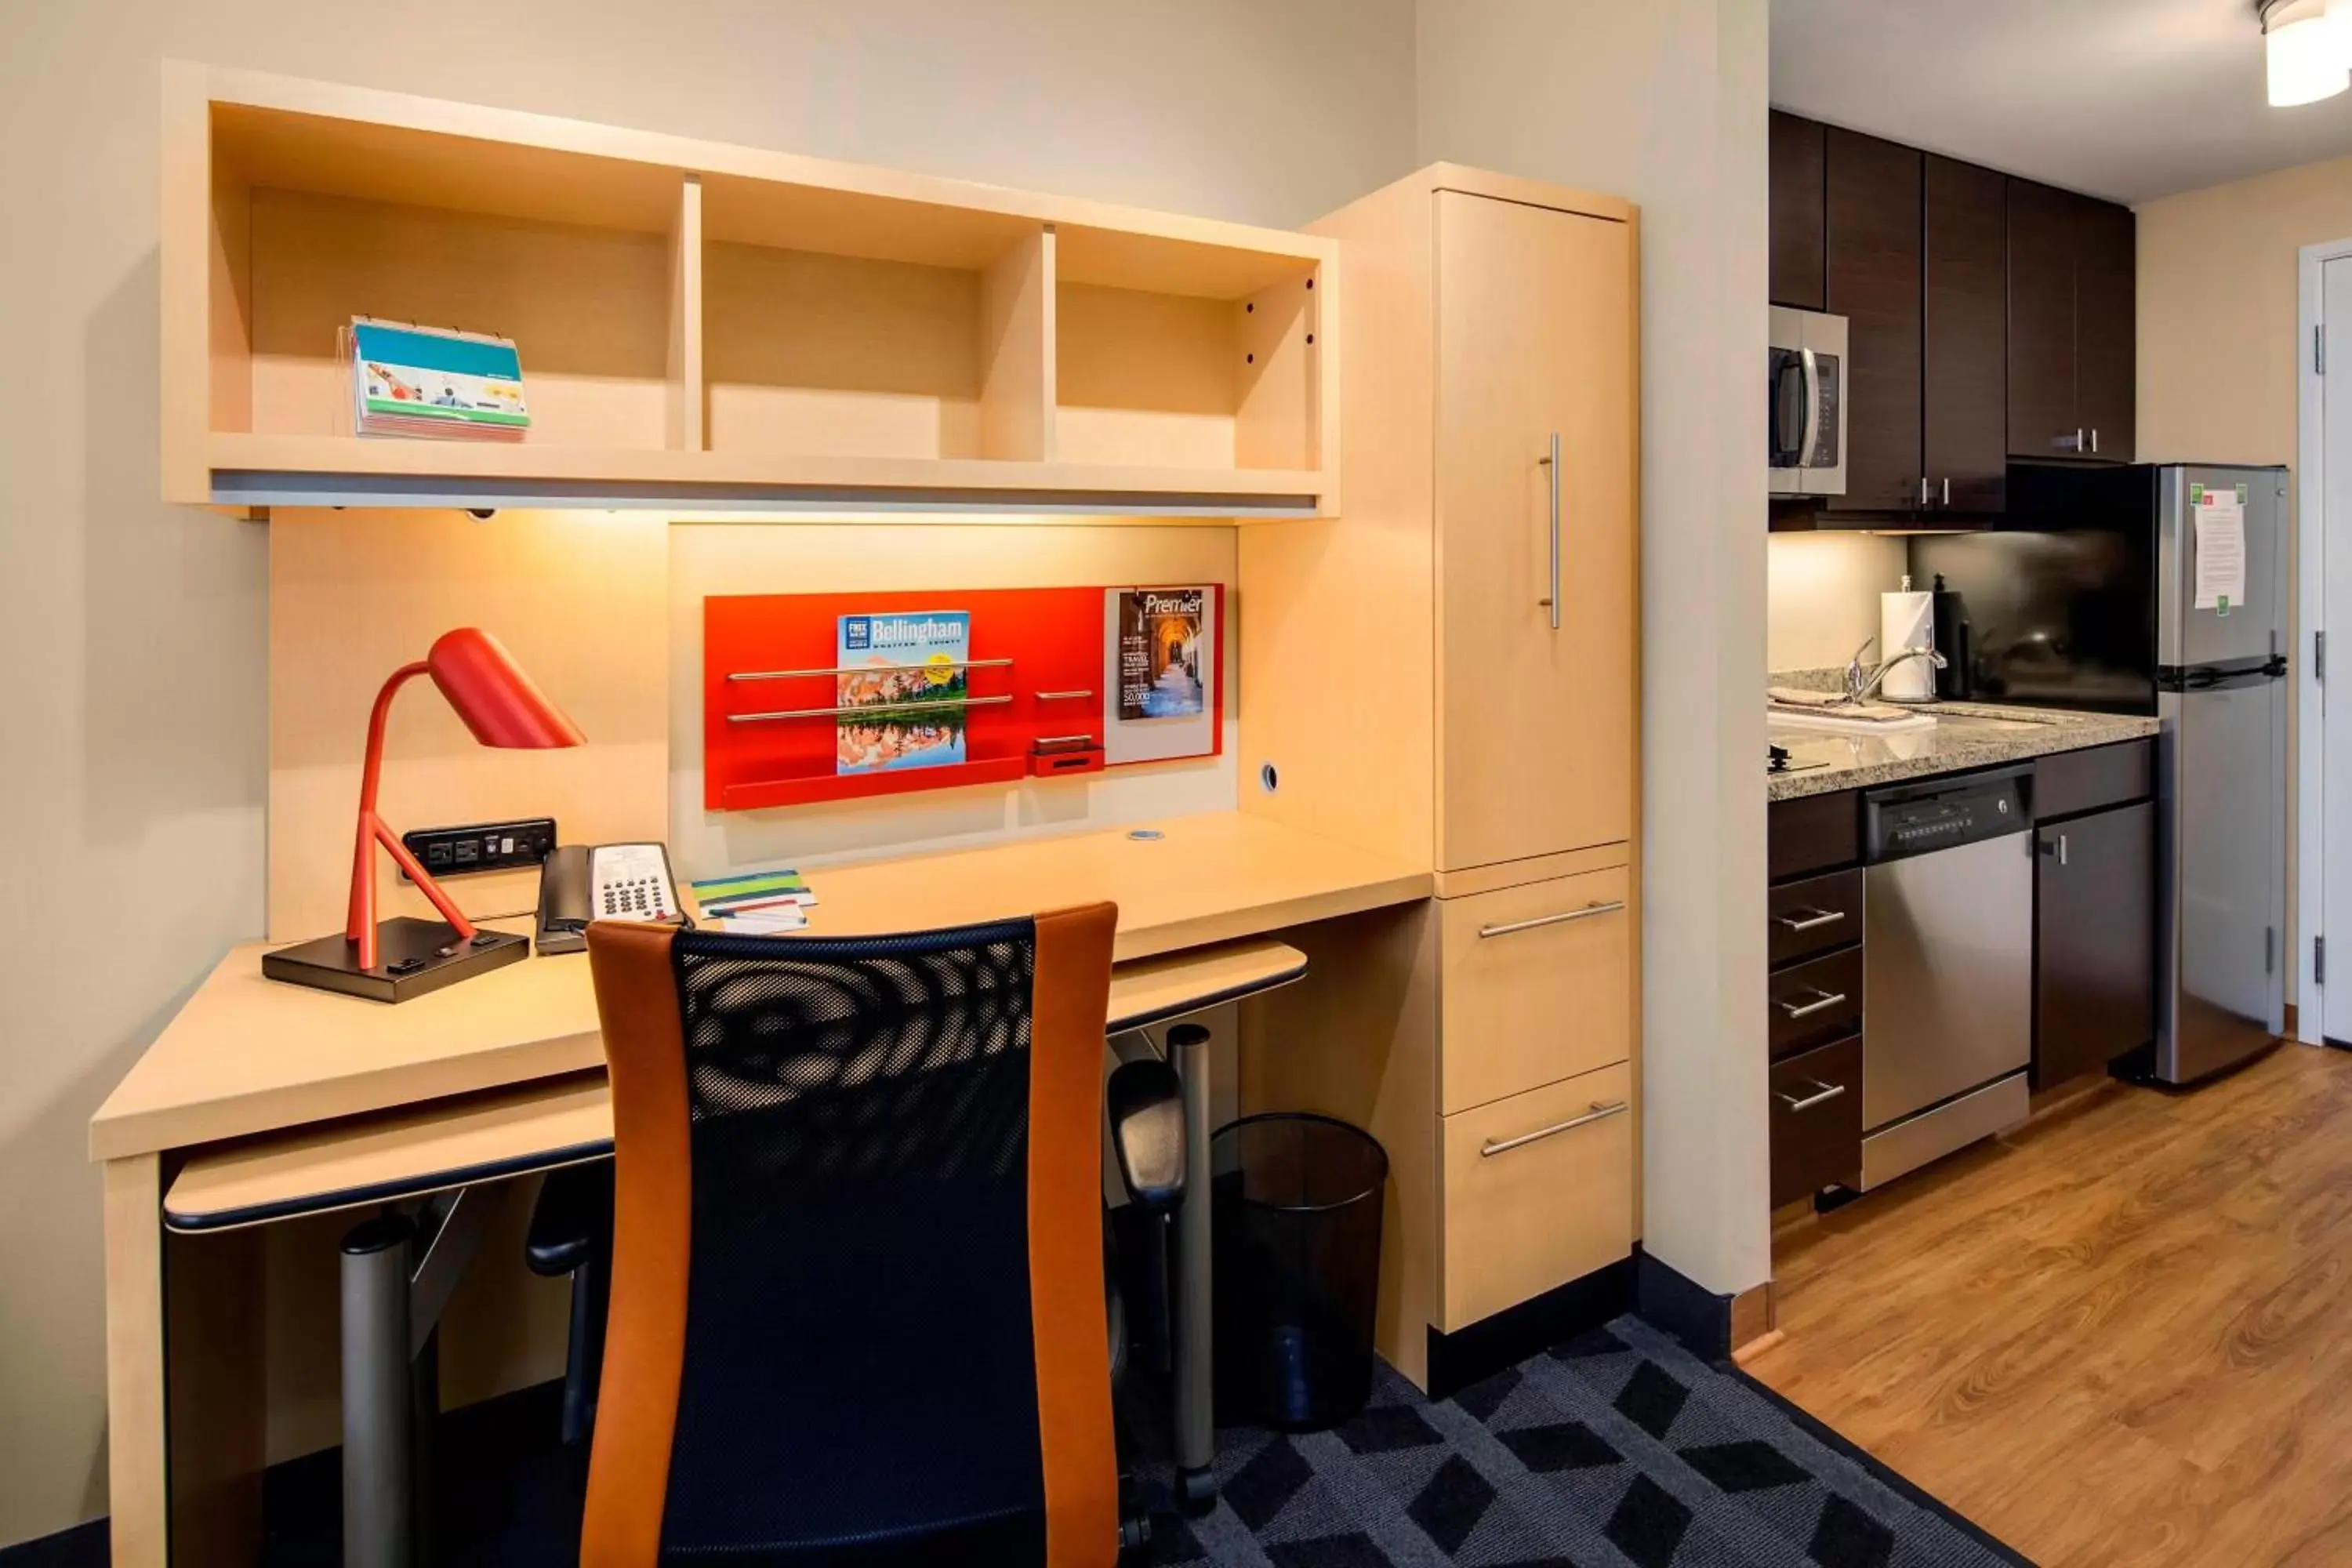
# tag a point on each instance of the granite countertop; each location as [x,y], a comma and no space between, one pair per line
[1825,760]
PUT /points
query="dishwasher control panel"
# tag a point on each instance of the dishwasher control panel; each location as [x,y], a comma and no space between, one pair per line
[1944,813]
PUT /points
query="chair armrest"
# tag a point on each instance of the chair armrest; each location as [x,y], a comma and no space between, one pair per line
[1146,1131]
[572,1216]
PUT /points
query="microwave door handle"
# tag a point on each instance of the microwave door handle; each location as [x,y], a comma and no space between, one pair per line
[1810,368]
[1787,411]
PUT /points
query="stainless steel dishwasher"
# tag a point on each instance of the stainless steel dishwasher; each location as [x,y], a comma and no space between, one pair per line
[1947,966]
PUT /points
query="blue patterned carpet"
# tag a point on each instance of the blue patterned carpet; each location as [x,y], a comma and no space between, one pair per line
[1618,1450]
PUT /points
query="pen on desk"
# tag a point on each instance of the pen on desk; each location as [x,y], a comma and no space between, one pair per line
[737,907]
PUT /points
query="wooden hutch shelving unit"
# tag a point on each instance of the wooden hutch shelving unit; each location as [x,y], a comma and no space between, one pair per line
[704,325]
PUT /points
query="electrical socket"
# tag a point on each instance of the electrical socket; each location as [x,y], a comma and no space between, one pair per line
[481,847]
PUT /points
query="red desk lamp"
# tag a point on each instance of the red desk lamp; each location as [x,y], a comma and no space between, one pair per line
[404,956]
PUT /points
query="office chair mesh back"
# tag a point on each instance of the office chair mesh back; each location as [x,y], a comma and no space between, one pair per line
[857,1379]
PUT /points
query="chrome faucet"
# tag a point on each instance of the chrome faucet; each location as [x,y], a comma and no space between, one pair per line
[1861,686]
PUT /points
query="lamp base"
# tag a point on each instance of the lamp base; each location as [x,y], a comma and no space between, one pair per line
[410,960]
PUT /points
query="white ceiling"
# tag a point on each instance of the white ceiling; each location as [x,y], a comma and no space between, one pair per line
[2129,100]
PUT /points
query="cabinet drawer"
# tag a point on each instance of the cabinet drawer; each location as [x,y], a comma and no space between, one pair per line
[1812,833]
[1817,1120]
[1534,985]
[1813,1004]
[2068,782]
[1538,1192]
[1807,917]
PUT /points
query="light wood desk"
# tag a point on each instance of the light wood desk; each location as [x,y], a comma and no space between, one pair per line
[252,1061]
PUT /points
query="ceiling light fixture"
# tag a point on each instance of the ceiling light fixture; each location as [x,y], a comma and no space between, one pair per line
[2306,44]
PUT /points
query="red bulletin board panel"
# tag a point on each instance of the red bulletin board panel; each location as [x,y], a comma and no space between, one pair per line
[1056,684]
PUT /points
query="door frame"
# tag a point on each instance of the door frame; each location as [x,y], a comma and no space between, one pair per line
[2311,619]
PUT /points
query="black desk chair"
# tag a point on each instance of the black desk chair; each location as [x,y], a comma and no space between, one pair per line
[857,1293]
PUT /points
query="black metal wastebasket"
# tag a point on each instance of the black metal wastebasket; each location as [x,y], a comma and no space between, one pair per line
[1297,1215]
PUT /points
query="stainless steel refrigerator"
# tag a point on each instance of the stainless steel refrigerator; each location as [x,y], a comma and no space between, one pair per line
[2089,597]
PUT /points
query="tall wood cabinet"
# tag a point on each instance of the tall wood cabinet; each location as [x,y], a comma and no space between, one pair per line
[1490,1044]
[1535,647]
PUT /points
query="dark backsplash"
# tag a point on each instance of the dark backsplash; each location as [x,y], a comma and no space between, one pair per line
[2057,620]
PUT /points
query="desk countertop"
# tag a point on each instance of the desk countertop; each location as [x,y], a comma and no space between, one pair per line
[247,1055]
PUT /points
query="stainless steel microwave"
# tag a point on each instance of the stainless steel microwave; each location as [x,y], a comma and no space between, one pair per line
[1808,409]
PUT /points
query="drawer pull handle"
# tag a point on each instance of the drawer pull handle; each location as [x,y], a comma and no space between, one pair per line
[1603,1110]
[1826,1093]
[1586,913]
[1827,1001]
[1809,920]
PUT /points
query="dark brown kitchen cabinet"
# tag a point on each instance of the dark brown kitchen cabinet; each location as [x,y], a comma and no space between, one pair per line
[2094,941]
[2073,265]
[1873,261]
[2106,327]
[1965,358]
[1816,1121]
[1797,151]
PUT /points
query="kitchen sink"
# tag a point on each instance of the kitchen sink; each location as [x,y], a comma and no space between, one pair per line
[1989,721]
[1829,721]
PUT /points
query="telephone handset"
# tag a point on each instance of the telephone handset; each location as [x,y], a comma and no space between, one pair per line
[609,882]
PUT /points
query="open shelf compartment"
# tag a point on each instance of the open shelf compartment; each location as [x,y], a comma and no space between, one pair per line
[315,220]
[836,322]
[1175,354]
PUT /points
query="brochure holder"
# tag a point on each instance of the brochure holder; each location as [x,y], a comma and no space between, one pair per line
[1037,671]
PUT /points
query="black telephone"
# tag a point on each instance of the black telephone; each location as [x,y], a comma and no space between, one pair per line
[609,882]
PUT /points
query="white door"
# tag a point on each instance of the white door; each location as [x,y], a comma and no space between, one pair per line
[2335,802]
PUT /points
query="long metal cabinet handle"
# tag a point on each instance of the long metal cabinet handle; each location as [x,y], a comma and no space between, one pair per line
[1603,1110]
[1809,920]
[1552,464]
[1062,696]
[2061,849]
[1808,1009]
[2095,437]
[1828,1091]
[1947,491]
[1926,493]
[1586,913]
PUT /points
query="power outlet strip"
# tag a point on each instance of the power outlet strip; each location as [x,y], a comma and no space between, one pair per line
[481,847]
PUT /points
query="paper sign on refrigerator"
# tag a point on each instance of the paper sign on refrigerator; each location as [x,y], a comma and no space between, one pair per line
[2220,547]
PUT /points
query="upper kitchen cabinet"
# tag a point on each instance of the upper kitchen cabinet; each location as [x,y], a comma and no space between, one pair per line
[1873,263]
[1963,398]
[2106,324]
[2072,302]
[1798,152]
[1912,250]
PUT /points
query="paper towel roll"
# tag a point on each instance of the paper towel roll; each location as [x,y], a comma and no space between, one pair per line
[1906,621]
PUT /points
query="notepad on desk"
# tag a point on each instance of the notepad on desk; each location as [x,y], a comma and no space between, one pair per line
[755,903]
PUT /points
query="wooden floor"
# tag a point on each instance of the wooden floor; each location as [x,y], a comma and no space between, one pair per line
[2122,1335]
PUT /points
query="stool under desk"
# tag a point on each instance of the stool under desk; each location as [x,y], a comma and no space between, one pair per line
[262,1101]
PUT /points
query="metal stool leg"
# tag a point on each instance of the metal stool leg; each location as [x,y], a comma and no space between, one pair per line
[378,1485]
[1196,1432]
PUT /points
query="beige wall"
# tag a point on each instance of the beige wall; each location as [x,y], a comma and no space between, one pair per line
[134,743]
[1663,102]
[2218,336]
[2220,342]
[1824,594]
